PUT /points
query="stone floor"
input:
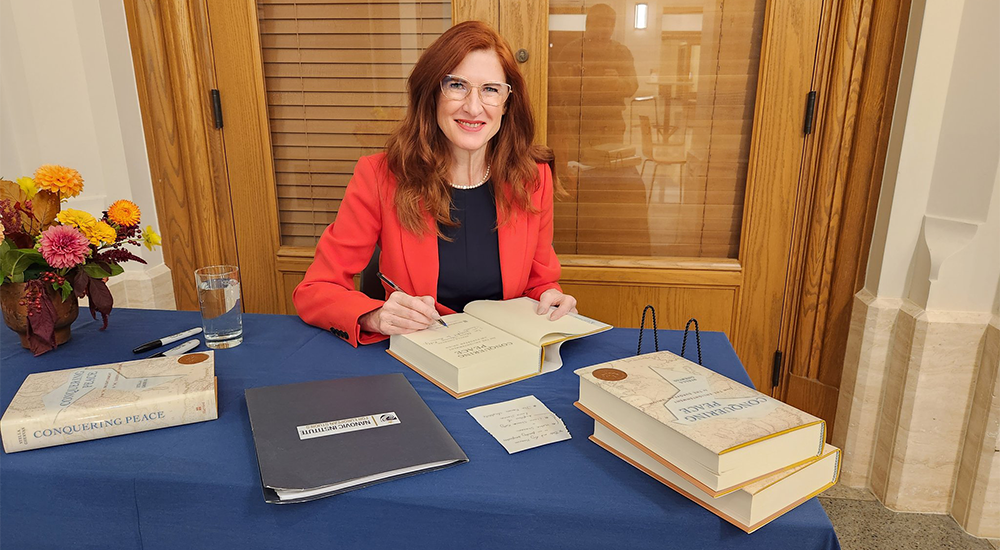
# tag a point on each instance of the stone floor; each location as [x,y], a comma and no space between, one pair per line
[862,523]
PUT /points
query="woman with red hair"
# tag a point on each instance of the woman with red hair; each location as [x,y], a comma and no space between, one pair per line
[460,202]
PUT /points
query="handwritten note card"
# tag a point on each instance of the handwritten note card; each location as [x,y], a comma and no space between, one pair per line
[519,424]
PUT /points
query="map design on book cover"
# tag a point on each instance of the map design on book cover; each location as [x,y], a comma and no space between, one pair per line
[82,381]
[77,404]
[714,411]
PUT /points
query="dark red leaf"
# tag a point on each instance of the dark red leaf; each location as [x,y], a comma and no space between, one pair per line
[80,281]
[100,300]
[20,239]
[42,325]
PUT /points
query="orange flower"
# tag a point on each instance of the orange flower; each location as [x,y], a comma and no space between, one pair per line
[66,182]
[124,213]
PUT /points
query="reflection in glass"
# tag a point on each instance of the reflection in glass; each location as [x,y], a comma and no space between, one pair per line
[651,127]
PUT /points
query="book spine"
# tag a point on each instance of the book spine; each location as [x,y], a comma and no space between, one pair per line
[83,424]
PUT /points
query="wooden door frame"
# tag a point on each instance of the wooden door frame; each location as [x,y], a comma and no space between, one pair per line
[174,73]
[859,64]
[171,48]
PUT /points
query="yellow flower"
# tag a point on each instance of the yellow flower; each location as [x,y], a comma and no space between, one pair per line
[28,187]
[77,218]
[66,182]
[150,238]
[124,213]
[100,233]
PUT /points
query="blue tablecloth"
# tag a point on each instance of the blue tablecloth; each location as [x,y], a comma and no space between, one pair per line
[197,486]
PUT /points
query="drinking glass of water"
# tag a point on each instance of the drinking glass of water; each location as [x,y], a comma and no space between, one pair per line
[221,310]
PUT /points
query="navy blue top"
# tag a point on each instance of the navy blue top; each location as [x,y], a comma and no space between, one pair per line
[469,264]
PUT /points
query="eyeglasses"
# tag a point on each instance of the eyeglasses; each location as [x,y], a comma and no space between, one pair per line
[490,93]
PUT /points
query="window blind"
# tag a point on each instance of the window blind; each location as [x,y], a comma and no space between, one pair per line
[335,75]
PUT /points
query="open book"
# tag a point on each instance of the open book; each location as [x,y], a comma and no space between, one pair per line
[493,343]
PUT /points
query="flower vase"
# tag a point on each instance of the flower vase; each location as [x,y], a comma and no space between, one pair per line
[15,314]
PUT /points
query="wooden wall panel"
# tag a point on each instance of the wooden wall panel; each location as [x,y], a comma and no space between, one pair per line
[292,263]
[622,305]
[172,59]
[678,289]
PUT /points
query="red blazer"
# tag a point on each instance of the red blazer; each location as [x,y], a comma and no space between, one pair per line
[326,297]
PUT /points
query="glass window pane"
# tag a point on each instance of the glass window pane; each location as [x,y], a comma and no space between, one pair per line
[651,126]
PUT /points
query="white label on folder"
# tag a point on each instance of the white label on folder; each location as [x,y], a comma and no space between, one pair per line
[335,427]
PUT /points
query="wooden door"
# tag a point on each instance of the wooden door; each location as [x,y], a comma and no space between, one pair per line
[307,88]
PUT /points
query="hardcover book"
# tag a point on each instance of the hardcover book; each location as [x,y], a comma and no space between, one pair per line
[752,506]
[715,432]
[71,405]
[491,344]
[317,439]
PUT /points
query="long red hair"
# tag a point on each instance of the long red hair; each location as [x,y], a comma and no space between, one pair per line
[418,153]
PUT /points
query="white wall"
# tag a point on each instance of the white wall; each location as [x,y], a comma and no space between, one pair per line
[937,233]
[68,96]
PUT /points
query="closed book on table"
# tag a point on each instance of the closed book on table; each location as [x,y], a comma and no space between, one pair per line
[750,507]
[715,432]
[317,439]
[71,405]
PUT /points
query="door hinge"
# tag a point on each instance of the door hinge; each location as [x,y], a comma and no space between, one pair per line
[776,370]
[807,126]
[217,108]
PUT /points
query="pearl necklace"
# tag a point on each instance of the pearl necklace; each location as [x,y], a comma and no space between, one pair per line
[486,177]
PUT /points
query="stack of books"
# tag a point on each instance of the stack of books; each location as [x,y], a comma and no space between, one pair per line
[743,455]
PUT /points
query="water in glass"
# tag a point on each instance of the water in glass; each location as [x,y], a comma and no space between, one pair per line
[221,310]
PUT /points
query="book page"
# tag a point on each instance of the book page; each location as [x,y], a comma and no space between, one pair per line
[478,350]
[518,317]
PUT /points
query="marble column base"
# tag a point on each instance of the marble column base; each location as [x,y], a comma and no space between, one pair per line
[917,415]
[865,364]
[976,505]
[925,404]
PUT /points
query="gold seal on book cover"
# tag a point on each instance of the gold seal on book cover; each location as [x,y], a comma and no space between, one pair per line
[610,375]
[192,358]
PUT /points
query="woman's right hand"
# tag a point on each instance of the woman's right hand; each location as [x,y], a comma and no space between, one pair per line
[401,314]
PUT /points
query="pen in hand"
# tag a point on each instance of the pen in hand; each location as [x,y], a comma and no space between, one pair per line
[395,287]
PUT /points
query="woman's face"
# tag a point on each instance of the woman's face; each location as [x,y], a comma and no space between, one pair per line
[468,123]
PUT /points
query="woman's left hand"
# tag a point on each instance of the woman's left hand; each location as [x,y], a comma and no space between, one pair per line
[552,297]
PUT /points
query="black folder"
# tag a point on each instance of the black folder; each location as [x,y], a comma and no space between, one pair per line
[322,438]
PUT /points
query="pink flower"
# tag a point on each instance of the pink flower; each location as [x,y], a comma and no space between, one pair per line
[63,246]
